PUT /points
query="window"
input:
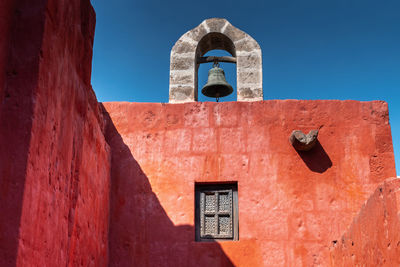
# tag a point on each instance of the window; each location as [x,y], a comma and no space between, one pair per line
[216,212]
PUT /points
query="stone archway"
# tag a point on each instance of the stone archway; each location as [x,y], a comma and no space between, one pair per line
[215,33]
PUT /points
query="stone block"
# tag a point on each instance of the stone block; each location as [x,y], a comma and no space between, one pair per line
[233,33]
[182,46]
[247,61]
[177,78]
[196,34]
[181,94]
[250,94]
[247,45]
[246,77]
[215,24]
[182,63]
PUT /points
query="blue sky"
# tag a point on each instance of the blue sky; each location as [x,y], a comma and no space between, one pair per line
[340,49]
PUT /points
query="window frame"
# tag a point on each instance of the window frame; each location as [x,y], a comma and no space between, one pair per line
[216,188]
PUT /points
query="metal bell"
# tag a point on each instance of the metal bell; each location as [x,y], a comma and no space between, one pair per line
[216,85]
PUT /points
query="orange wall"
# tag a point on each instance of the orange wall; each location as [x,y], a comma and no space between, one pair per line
[373,239]
[291,205]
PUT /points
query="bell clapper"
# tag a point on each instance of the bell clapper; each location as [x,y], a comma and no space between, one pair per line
[216,65]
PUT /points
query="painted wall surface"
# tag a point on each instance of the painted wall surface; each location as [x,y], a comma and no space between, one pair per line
[6,11]
[373,239]
[86,184]
[16,111]
[292,205]
[54,160]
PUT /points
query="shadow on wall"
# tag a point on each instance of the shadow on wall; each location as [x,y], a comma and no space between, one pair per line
[16,112]
[141,233]
[317,160]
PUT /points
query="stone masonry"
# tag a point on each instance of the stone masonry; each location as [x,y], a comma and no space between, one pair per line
[215,33]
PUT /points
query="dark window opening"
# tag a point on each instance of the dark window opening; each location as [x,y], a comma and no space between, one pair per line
[216,212]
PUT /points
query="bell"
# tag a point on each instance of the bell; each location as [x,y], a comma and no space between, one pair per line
[216,85]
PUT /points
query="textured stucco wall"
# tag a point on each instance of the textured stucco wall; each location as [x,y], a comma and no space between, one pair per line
[54,161]
[68,198]
[291,205]
[373,238]
[16,111]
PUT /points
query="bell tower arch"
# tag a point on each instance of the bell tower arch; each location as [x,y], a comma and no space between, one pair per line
[215,33]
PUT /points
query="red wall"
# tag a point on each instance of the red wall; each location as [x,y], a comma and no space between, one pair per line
[292,205]
[19,64]
[54,161]
[83,184]
[373,239]
[6,12]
